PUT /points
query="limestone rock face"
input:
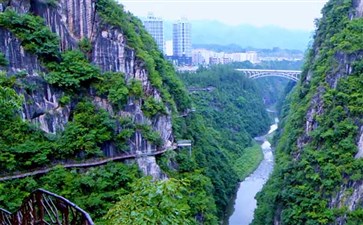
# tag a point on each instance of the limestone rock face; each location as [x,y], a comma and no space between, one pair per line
[72,21]
[358,5]
[350,192]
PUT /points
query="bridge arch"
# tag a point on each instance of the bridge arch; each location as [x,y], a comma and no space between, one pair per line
[293,75]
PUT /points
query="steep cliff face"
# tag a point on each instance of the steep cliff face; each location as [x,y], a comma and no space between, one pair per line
[350,195]
[319,163]
[92,80]
[74,21]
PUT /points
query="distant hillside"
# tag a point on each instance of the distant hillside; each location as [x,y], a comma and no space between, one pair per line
[213,32]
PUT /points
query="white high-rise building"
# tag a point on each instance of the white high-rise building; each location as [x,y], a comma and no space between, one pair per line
[182,43]
[154,26]
[169,47]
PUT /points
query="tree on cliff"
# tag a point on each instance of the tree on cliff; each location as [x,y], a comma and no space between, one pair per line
[159,202]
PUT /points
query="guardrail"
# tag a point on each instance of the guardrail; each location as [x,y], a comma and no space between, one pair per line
[85,164]
[43,207]
[185,143]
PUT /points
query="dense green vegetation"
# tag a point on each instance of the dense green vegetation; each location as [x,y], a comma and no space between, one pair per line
[248,161]
[139,206]
[201,184]
[89,129]
[95,190]
[231,103]
[228,112]
[161,73]
[3,61]
[72,71]
[307,177]
[34,36]
[23,146]
[271,88]
[113,86]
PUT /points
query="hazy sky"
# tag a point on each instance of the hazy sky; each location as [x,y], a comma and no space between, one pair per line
[292,14]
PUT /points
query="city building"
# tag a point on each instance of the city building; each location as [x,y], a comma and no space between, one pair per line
[214,60]
[203,56]
[182,41]
[198,59]
[168,48]
[226,60]
[252,57]
[154,26]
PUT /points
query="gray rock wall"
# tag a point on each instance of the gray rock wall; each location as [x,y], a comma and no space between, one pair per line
[74,20]
[351,193]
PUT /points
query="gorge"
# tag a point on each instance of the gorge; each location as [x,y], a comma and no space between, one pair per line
[318,174]
[244,204]
[82,82]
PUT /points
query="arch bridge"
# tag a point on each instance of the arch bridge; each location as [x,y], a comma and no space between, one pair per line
[258,73]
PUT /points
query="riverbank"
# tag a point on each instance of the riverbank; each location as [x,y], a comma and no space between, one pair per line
[249,161]
[245,203]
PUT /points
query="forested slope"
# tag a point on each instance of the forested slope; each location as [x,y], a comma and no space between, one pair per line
[318,173]
[271,88]
[232,110]
[88,84]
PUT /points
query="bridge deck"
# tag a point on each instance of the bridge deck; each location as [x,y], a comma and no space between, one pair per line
[259,73]
[270,71]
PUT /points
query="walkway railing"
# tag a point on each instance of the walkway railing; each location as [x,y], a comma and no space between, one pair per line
[85,164]
[43,207]
[185,143]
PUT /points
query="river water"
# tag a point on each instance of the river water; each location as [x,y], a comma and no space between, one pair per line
[245,202]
